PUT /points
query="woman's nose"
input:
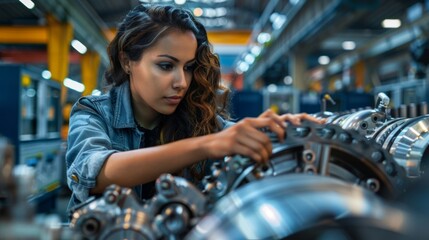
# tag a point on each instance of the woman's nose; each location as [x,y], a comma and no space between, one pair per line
[180,80]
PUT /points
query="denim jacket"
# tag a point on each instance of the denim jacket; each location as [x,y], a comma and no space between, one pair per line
[100,126]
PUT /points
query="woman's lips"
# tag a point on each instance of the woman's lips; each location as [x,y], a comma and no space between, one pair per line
[173,100]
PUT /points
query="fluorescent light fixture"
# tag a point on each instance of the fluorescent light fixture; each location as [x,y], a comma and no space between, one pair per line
[72,84]
[249,58]
[256,50]
[277,20]
[272,87]
[46,74]
[324,60]
[78,46]
[243,66]
[209,12]
[288,80]
[349,45]
[28,3]
[221,11]
[179,2]
[263,37]
[391,23]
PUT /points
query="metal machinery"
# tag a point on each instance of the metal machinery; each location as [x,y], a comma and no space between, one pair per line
[32,121]
[341,180]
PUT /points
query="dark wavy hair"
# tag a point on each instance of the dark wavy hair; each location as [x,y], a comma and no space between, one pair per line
[205,98]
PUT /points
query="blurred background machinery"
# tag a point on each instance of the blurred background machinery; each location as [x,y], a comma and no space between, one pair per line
[32,123]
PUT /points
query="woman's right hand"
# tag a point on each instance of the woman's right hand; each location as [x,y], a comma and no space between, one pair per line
[246,138]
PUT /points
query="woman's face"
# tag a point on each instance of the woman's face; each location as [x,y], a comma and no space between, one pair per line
[160,79]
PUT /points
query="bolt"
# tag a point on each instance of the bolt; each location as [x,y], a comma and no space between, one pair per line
[377,156]
[345,137]
[308,155]
[373,184]
[364,125]
[390,169]
[165,185]
[327,133]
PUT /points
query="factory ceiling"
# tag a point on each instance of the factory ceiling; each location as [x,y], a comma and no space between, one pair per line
[325,26]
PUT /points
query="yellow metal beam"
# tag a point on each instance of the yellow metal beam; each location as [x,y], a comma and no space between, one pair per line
[90,64]
[24,34]
[229,37]
[59,38]
[215,37]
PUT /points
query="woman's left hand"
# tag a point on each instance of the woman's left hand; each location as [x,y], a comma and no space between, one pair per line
[296,119]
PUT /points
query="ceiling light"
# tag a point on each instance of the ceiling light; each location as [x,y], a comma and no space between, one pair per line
[272,87]
[256,50]
[324,60]
[72,84]
[221,11]
[277,20]
[46,74]
[263,37]
[249,58]
[288,80]
[209,12]
[79,46]
[180,2]
[243,66]
[198,12]
[349,45]
[391,23]
[28,3]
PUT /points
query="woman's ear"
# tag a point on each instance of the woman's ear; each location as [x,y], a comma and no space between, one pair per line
[125,62]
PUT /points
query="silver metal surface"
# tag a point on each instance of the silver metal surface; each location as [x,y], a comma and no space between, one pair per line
[275,208]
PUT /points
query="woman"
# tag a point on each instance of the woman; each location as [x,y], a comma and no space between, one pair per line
[164,112]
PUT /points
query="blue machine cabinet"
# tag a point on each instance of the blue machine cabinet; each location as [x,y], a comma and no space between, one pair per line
[31,120]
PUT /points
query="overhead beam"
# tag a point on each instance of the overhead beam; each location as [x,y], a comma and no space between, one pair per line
[215,37]
[24,34]
[384,43]
[304,19]
[229,37]
[88,28]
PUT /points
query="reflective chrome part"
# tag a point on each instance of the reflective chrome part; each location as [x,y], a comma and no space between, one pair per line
[110,216]
[315,149]
[119,214]
[367,121]
[275,208]
[176,207]
[407,140]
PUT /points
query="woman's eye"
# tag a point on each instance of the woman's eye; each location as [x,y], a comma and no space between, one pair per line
[165,66]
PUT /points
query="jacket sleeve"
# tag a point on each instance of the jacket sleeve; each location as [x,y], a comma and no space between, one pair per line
[88,148]
[224,123]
